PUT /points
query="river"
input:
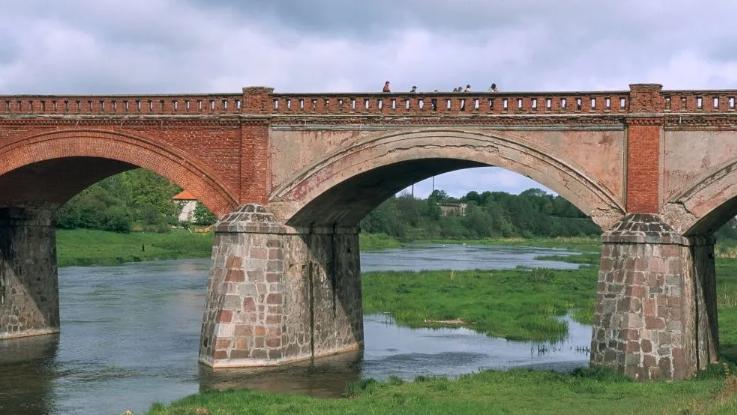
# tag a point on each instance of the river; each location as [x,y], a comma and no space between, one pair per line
[130,334]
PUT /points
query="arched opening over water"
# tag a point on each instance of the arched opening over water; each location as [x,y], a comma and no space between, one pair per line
[352,200]
[127,324]
[40,174]
[343,187]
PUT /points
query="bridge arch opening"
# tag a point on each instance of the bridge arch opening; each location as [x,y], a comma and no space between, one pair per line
[39,174]
[341,188]
[327,229]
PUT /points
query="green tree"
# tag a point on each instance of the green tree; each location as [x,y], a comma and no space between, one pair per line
[203,216]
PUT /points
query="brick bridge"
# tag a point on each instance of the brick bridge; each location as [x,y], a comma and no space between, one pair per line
[291,175]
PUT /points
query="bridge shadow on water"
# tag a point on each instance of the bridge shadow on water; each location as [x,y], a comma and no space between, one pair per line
[27,372]
[325,377]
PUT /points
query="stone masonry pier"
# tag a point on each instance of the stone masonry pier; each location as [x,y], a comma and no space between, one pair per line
[655,316]
[29,293]
[278,294]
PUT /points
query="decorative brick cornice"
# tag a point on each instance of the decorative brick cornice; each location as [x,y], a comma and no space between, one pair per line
[649,120]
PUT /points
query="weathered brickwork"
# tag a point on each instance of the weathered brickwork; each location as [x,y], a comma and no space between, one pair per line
[28,280]
[277,294]
[643,165]
[652,317]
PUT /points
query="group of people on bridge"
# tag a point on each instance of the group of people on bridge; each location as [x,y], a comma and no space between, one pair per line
[387,88]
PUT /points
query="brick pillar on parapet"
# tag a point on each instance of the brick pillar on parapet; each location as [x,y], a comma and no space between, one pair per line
[655,316]
[277,294]
[29,288]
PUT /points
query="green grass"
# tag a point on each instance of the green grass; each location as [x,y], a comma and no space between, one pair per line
[520,304]
[513,392]
[92,247]
[726,270]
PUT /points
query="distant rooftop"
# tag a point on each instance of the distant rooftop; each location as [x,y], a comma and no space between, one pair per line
[184,195]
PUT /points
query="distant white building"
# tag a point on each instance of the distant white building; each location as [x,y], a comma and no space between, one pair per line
[187,205]
[452,208]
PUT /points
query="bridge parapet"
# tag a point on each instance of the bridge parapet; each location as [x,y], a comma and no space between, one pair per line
[192,104]
[421,103]
[451,103]
[700,101]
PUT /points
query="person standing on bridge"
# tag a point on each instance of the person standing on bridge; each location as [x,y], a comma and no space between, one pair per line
[492,88]
[413,90]
[387,88]
[468,88]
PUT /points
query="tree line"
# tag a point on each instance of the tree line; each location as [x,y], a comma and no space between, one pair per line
[133,200]
[532,213]
[139,200]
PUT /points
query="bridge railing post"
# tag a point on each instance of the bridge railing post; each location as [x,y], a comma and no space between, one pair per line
[257,100]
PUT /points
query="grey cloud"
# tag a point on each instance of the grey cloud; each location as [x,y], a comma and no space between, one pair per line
[198,45]
[93,46]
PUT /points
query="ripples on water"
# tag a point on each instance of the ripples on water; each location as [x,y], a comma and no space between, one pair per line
[130,337]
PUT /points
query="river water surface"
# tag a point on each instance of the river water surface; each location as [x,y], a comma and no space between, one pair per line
[130,334]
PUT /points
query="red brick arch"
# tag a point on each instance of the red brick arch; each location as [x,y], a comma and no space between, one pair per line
[434,151]
[179,167]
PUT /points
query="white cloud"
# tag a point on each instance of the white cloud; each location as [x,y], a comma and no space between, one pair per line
[458,183]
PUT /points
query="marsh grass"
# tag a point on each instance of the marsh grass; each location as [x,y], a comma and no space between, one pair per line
[512,392]
[519,304]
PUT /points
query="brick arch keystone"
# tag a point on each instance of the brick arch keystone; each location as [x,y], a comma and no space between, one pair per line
[469,146]
[174,164]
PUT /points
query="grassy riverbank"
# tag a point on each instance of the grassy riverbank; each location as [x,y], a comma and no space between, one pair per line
[92,247]
[513,392]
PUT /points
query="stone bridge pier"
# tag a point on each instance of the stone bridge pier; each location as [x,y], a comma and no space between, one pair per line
[656,308]
[29,292]
[280,294]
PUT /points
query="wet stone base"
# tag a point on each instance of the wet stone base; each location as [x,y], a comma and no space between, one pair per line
[29,294]
[656,310]
[277,294]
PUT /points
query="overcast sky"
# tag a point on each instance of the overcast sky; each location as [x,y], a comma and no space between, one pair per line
[148,46]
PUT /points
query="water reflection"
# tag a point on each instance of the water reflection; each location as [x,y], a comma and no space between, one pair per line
[326,377]
[393,350]
[27,369]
